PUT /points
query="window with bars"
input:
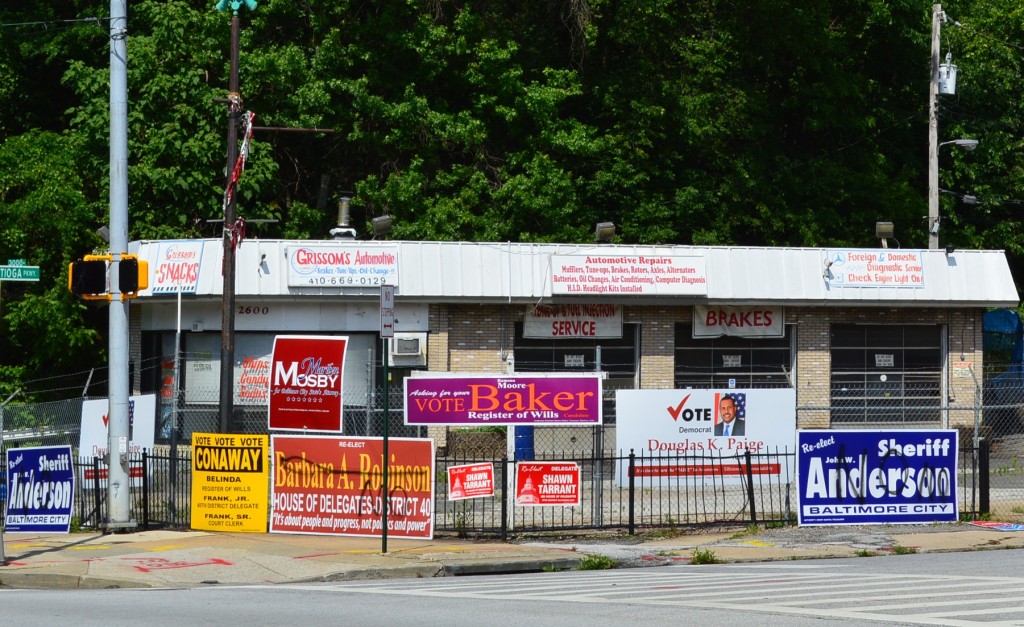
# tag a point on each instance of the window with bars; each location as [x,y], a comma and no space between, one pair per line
[886,373]
[743,362]
[619,359]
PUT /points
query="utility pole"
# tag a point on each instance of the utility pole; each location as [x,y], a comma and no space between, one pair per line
[232,236]
[933,132]
[118,501]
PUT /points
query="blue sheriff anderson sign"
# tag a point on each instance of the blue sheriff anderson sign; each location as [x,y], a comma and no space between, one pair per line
[40,489]
[877,477]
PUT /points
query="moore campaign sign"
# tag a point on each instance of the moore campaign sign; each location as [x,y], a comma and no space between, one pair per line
[877,477]
[40,489]
[706,432]
[494,400]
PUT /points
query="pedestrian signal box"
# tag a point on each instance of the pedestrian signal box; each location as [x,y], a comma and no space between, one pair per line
[88,276]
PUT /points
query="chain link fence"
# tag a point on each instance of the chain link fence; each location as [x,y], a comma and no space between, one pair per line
[607,500]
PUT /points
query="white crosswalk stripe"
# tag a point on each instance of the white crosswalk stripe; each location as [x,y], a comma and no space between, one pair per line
[817,590]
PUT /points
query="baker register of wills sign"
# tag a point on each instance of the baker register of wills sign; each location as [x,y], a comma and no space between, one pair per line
[628,274]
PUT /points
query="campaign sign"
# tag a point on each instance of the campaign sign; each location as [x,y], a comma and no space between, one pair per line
[548,483]
[877,477]
[692,432]
[306,383]
[40,489]
[335,486]
[229,482]
[95,433]
[493,400]
[470,480]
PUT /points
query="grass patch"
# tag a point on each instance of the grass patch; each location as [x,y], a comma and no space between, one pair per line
[704,556]
[903,550]
[597,562]
[865,553]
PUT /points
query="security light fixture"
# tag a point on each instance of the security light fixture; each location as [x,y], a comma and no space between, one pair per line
[604,232]
[382,225]
[884,231]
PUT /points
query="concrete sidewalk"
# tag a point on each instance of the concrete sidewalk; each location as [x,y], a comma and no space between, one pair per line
[152,559]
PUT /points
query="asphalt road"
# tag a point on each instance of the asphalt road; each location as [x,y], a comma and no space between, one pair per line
[973,588]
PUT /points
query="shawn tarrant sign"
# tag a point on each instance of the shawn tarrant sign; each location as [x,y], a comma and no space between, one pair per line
[877,477]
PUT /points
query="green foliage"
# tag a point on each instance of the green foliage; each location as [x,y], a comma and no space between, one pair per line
[597,562]
[769,123]
[904,550]
[704,556]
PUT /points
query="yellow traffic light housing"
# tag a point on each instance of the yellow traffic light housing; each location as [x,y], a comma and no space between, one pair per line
[88,277]
[133,275]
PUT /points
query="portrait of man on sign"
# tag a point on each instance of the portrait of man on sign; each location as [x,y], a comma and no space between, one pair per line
[731,417]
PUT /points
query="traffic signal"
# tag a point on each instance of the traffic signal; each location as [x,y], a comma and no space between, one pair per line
[88,276]
[132,274]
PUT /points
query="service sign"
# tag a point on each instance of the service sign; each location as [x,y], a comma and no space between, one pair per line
[573,321]
[707,432]
[548,483]
[493,400]
[862,477]
[229,482]
[40,489]
[657,275]
[470,480]
[335,486]
[176,267]
[306,383]
[888,267]
[355,264]
[719,320]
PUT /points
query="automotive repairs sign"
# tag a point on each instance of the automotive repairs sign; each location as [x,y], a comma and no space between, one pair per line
[494,400]
[692,432]
[877,477]
[40,489]
[335,486]
[306,383]
[229,482]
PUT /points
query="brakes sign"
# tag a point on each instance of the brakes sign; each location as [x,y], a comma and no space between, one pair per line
[306,383]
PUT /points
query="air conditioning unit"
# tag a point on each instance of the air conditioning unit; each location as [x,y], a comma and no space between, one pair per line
[408,350]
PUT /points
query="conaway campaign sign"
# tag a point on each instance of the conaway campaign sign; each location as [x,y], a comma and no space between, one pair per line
[877,477]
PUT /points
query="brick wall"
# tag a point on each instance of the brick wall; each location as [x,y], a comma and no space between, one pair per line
[470,338]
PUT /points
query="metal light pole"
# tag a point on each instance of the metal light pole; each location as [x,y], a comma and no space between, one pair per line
[933,133]
[227,333]
[118,498]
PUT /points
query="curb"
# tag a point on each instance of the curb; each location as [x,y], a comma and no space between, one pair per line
[504,568]
[56,581]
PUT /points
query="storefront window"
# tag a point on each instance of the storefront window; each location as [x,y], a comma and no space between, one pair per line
[618,359]
[729,361]
[886,373]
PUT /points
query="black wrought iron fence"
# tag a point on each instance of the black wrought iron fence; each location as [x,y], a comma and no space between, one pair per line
[628,492]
